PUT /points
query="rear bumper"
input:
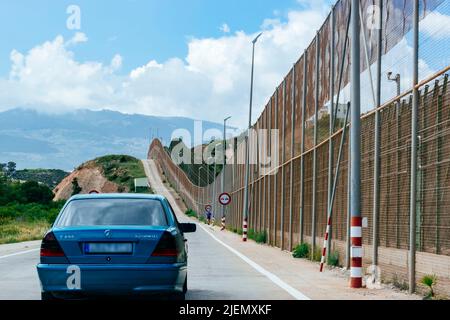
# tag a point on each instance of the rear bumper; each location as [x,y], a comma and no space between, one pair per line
[114,279]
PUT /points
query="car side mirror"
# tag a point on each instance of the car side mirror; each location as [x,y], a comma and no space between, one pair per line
[188,227]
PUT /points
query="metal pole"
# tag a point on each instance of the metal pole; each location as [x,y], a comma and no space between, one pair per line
[224,160]
[314,182]
[333,189]
[302,148]
[275,178]
[283,157]
[247,151]
[331,130]
[291,178]
[269,181]
[414,114]
[214,190]
[349,197]
[355,142]
[376,173]
[198,207]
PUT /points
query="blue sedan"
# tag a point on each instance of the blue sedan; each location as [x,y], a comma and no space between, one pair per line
[114,244]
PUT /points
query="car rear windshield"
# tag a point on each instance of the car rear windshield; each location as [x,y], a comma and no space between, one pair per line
[113,212]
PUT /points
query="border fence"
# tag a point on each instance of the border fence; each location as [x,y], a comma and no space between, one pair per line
[289,205]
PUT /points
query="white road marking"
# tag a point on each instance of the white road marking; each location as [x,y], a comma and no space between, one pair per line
[19,253]
[283,285]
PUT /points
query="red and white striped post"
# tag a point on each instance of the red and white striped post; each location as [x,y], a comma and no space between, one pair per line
[223,224]
[356,253]
[244,230]
[325,242]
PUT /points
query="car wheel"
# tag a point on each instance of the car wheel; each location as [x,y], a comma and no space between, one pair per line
[185,287]
[47,296]
[178,296]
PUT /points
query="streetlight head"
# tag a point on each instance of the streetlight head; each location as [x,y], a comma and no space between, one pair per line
[257,37]
[226,119]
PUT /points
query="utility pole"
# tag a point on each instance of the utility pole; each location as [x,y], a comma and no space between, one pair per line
[247,144]
[355,144]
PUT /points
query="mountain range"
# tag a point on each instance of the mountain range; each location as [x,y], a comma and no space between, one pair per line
[64,141]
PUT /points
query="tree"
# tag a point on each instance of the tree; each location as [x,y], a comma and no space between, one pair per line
[76,187]
[11,169]
[33,192]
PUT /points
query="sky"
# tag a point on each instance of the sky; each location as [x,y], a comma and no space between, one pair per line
[165,58]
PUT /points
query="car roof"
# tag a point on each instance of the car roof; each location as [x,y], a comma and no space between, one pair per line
[118,196]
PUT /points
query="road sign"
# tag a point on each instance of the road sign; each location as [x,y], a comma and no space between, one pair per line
[208,208]
[225,199]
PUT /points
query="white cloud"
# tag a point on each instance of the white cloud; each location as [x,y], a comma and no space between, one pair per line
[79,37]
[212,81]
[225,28]
[436,25]
[116,62]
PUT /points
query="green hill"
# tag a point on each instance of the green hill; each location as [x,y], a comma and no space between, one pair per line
[49,177]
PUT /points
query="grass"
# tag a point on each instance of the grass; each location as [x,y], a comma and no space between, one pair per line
[12,231]
[333,259]
[259,237]
[317,256]
[191,213]
[26,222]
[122,170]
[301,251]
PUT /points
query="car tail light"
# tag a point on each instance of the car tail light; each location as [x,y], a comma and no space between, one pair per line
[167,246]
[50,246]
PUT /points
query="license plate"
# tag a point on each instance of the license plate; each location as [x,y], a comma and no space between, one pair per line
[108,248]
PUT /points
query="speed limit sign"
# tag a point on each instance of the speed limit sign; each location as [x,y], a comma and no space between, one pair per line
[224,199]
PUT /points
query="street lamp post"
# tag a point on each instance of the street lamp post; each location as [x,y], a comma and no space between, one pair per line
[247,155]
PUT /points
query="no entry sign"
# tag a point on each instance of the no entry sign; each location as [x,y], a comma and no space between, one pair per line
[224,199]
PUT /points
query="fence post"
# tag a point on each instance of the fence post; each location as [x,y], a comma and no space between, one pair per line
[283,159]
[269,125]
[331,125]
[414,113]
[291,184]
[314,183]
[355,141]
[302,149]
[274,226]
[376,172]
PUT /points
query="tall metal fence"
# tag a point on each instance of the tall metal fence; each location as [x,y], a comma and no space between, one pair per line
[290,204]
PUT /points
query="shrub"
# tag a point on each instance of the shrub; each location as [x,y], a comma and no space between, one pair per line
[333,259]
[317,255]
[430,282]
[191,213]
[261,237]
[302,250]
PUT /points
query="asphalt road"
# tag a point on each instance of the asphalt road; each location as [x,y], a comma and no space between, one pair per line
[214,272]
